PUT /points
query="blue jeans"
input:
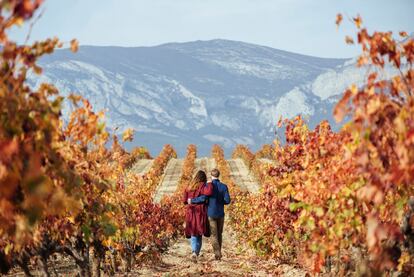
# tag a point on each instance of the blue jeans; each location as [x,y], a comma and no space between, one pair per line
[196,242]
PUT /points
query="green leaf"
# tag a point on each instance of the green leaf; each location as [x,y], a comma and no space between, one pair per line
[109,229]
[86,232]
[294,206]
[319,211]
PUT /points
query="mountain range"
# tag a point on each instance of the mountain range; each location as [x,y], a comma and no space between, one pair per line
[201,92]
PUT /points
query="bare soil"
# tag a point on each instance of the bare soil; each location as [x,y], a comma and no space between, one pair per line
[237,260]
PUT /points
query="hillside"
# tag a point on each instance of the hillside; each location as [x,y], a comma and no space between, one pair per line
[208,92]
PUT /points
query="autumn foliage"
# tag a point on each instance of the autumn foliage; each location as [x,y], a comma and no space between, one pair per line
[327,198]
[340,198]
[62,190]
[243,152]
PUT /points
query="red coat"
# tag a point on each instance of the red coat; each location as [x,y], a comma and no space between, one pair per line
[196,219]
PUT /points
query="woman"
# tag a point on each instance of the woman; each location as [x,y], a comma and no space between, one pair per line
[196,220]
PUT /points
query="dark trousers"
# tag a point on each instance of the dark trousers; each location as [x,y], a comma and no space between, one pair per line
[216,227]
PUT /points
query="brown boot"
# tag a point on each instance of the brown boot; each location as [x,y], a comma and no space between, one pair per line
[194,257]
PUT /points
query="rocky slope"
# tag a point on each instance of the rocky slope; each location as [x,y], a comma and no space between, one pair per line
[201,92]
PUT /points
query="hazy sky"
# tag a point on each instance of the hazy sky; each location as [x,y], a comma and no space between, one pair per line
[303,26]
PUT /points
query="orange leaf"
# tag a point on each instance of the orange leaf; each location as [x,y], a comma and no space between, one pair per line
[362,60]
[74,99]
[8,149]
[280,122]
[358,21]
[372,77]
[74,45]
[338,19]
[3,171]
[318,263]
[128,135]
[349,40]
[341,108]
[403,34]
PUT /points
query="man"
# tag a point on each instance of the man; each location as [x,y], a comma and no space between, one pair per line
[215,211]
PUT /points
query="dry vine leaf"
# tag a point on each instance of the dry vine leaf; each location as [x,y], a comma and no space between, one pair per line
[339,19]
[128,135]
[403,34]
[74,45]
[358,21]
[349,40]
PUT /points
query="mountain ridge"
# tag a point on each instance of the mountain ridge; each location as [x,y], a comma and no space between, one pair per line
[216,40]
[202,92]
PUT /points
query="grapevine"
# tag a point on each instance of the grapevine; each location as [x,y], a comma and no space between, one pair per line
[328,198]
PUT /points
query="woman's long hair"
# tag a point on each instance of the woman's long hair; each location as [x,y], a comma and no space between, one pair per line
[200,177]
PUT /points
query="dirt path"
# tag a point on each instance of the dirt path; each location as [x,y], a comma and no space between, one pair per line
[206,164]
[170,179]
[268,161]
[242,177]
[142,166]
[237,260]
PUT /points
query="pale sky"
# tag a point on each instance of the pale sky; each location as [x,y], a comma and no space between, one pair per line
[302,26]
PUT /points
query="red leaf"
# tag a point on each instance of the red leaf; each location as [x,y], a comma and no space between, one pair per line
[7,149]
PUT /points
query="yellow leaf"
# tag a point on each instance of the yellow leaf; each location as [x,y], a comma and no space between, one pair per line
[19,21]
[8,248]
[128,135]
[354,89]
[405,257]
[373,105]
[358,21]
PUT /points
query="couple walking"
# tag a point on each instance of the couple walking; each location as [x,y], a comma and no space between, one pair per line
[205,211]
